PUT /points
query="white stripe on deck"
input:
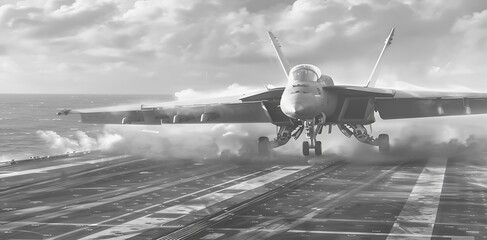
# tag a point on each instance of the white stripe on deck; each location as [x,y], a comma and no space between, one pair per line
[137,226]
[417,218]
[118,195]
[45,169]
[355,234]
[145,209]
[210,199]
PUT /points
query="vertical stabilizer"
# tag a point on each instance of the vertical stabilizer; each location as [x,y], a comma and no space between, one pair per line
[286,67]
[374,74]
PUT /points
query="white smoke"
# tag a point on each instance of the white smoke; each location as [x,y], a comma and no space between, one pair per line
[451,137]
[411,138]
[193,141]
[190,141]
[6,158]
[80,142]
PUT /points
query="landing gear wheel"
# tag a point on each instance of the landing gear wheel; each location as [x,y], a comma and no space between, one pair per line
[383,142]
[264,146]
[305,148]
[318,148]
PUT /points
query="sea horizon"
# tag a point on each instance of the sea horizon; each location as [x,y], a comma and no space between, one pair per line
[30,127]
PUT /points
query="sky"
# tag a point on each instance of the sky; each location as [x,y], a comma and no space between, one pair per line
[186,47]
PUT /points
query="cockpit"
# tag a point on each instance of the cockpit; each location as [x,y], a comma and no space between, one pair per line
[305,73]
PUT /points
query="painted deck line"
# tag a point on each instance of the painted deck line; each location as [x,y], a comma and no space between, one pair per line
[205,201]
[136,226]
[61,224]
[102,223]
[45,169]
[199,203]
[418,215]
[83,206]
[398,235]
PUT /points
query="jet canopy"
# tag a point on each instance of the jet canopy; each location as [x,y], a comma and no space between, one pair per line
[305,73]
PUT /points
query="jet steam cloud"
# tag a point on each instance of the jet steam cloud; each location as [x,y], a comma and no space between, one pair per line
[462,138]
[410,139]
[451,138]
[80,142]
[194,141]
[190,141]
[165,142]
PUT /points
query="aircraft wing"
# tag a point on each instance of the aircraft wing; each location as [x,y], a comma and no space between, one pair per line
[354,102]
[264,110]
[406,104]
[396,104]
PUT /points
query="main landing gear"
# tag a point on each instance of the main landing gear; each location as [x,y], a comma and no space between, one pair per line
[284,134]
[264,146]
[312,127]
[383,143]
[360,133]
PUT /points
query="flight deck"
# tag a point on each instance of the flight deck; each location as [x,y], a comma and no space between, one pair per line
[107,196]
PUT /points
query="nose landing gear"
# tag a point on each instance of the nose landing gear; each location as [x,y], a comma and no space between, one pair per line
[285,133]
[313,128]
[317,147]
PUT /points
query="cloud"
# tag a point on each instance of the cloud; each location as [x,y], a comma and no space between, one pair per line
[56,19]
[158,42]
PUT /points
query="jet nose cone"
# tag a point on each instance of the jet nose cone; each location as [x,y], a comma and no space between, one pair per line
[296,109]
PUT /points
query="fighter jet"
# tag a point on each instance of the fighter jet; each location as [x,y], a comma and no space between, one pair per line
[308,103]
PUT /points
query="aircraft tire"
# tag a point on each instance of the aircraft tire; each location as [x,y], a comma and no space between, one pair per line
[318,148]
[305,148]
[264,146]
[383,142]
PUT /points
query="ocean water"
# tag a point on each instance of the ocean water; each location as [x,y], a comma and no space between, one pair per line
[29,125]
